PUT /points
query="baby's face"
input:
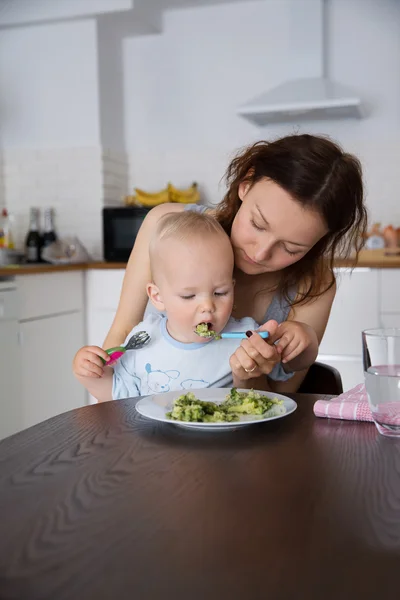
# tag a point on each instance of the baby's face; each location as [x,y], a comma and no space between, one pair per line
[196,285]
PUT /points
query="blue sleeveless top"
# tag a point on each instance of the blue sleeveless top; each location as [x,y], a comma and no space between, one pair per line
[278,310]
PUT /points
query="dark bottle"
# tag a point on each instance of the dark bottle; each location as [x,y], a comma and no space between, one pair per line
[33,242]
[49,235]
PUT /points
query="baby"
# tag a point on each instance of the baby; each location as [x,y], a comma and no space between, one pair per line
[192,283]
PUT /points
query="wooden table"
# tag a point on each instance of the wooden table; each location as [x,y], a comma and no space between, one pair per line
[100,503]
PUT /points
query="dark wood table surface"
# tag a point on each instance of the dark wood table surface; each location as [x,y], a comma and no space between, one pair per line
[100,503]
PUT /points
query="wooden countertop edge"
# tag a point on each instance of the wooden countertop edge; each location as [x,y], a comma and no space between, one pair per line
[12,271]
[386,263]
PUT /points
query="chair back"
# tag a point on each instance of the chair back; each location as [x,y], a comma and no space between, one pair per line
[322,379]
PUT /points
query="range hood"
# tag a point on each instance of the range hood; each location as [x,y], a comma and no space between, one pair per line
[309,98]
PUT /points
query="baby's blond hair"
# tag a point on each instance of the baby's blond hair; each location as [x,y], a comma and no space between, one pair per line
[185,224]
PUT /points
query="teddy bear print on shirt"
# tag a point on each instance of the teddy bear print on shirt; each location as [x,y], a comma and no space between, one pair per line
[158,381]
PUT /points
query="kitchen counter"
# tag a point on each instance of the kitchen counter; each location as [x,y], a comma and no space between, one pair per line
[35,269]
[372,259]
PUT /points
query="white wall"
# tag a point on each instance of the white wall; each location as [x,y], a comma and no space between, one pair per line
[49,83]
[182,89]
[171,100]
[17,12]
[50,135]
[365,53]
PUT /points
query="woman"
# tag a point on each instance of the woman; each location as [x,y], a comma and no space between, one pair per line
[292,206]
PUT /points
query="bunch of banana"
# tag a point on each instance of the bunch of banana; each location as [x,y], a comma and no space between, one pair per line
[189,196]
[143,198]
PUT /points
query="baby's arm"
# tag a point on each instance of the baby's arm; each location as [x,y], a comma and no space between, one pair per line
[100,388]
[90,371]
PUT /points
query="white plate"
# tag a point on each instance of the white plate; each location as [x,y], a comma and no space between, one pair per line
[156,407]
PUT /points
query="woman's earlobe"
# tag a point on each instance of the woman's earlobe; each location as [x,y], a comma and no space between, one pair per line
[243,189]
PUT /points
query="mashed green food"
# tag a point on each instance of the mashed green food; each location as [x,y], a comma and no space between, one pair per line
[203,331]
[190,409]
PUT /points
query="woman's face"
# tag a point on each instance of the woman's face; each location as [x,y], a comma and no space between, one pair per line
[271,230]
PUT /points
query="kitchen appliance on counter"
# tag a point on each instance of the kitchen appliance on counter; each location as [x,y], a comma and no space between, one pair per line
[120,228]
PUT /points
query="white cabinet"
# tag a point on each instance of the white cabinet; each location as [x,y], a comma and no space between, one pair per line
[103,289]
[10,378]
[390,291]
[391,320]
[356,307]
[47,349]
[46,294]
[365,299]
[390,298]
[52,329]
[98,325]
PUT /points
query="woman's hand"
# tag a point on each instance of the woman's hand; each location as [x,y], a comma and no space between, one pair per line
[88,363]
[293,338]
[255,356]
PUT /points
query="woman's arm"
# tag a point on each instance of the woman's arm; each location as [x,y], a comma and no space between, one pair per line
[315,315]
[133,299]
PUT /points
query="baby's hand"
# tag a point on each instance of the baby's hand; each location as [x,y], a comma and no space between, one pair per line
[88,363]
[294,338]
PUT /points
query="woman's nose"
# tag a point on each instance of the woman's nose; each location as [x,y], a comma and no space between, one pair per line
[264,252]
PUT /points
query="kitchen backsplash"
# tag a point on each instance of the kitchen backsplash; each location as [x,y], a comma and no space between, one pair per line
[77,182]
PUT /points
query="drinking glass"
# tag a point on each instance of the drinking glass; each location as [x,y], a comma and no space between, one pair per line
[381,359]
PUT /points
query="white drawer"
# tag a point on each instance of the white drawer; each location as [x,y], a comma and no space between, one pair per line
[390,290]
[103,288]
[49,294]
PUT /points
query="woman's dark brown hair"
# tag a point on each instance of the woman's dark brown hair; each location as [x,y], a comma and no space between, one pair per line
[320,176]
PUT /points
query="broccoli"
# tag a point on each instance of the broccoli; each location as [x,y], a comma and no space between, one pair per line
[188,408]
[249,403]
[203,331]
[233,399]
[220,416]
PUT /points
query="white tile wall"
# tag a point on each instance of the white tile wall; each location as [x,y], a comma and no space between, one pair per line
[76,182]
[115,167]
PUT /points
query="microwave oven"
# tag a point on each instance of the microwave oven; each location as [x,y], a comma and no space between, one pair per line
[120,228]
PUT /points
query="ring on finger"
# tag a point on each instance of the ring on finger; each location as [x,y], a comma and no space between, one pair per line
[251,370]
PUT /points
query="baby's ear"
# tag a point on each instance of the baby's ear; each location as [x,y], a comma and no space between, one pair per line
[154,294]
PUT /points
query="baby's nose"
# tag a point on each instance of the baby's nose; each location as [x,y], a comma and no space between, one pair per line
[208,305]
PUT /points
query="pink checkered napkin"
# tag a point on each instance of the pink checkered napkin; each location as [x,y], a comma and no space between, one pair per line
[352,405]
